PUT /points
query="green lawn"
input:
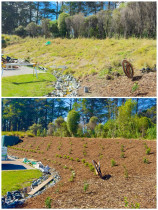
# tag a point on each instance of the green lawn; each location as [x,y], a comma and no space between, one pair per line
[15,180]
[27,85]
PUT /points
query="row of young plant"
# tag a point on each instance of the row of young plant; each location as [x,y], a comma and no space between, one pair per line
[122,123]
[26,150]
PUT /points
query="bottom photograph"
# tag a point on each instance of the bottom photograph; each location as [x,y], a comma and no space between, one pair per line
[78,153]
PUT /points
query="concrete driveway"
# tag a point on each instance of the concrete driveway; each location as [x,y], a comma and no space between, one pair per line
[21,70]
[14,164]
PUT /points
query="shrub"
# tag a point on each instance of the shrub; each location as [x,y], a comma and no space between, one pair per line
[48,146]
[77,159]
[48,202]
[85,187]
[62,24]
[151,133]
[91,167]
[34,128]
[148,151]
[145,160]
[83,160]
[113,163]
[65,167]
[86,163]
[122,148]
[30,135]
[122,155]
[84,152]
[125,171]
[71,158]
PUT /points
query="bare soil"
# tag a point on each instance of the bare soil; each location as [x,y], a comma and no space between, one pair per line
[139,187]
[120,86]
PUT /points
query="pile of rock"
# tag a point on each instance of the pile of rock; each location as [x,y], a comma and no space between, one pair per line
[65,86]
[16,198]
[12,199]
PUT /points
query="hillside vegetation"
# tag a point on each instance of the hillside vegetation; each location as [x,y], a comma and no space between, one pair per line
[128,169]
[85,56]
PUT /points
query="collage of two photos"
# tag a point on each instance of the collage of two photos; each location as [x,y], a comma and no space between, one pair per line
[78,104]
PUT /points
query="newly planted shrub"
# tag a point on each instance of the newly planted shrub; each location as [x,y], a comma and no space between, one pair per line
[91,167]
[148,151]
[145,160]
[125,171]
[85,187]
[122,148]
[77,159]
[48,202]
[122,155]
[71,158]
[83,160]
[84,152]
[86,164]
[113,163]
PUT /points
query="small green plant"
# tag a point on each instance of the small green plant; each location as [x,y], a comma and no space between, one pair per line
[133,206]
[84,152]
[145,145]
[122,148]
[135,87]
[83,160]
[68,157]
[148,151]
[65,167]
[125,171]
[48,202]
[113,163]
[100,156]
[71,158]
[70,151]
[145,160]
[86,163]
[91,167]
[77,159]
[85,187]
[48,147]
[125,201]
[85,145]
[122,155]
[72,176]
[64,156]
[59,156]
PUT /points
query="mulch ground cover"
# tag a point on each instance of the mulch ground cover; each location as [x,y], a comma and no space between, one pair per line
[130,179]
[121,86]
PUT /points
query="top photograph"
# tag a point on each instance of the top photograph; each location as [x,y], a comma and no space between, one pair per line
[78,49]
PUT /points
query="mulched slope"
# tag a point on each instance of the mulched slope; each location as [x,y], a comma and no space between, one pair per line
[140,187]
[120,86]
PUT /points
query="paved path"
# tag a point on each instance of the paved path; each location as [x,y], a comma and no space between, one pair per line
[21,70]
[14,164]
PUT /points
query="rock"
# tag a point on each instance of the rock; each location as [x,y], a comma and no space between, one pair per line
[86,89]
[109,77]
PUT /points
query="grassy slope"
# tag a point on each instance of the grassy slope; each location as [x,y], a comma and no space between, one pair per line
[14,180]
[27,85]
[86,56]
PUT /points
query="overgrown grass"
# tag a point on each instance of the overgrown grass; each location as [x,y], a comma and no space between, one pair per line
[15,180]
[27,85]
[20,134]
[86,56]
